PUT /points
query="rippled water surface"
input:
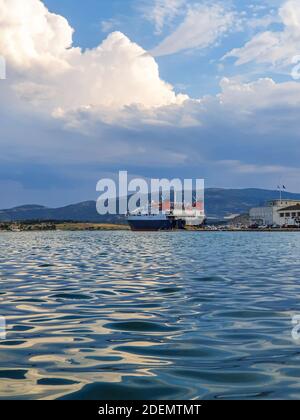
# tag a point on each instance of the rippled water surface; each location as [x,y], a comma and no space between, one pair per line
[121,315]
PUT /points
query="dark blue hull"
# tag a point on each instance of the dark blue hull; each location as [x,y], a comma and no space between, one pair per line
[155,224]
[150,225]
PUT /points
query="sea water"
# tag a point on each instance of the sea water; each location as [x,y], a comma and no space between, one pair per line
[174,315]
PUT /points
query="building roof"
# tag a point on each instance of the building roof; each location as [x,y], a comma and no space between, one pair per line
[291,208]
[282,200]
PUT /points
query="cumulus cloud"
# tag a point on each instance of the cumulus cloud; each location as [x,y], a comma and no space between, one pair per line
[203,26]
[116,74]
[32,36]
[116,107]
[118,82]
[262,108]
[274,47]
[49,72]
[260,94]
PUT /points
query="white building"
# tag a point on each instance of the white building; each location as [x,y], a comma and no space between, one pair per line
[277,212]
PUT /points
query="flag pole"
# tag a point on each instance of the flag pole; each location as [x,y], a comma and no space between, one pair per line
[280,190]
[280,195]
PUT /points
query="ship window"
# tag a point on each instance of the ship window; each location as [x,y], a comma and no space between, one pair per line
[281,214]
[293,214]
[287,214]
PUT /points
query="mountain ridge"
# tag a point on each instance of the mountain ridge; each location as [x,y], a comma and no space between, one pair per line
[219,203]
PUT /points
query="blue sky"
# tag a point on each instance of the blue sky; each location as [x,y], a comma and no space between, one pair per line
[161,88]
[195,71]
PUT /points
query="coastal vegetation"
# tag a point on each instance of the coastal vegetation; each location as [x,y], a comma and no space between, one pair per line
[90,226]
[58,226]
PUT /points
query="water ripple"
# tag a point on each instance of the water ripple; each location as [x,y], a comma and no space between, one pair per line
[119,315]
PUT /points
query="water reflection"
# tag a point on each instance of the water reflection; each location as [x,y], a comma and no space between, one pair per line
[171,315]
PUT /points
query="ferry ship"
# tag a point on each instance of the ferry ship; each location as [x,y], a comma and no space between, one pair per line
[167,218]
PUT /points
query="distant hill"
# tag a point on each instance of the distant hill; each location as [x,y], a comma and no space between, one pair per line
[81,212]
[219,203]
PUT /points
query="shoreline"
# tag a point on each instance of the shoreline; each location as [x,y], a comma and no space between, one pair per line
[60,227]
[96,227]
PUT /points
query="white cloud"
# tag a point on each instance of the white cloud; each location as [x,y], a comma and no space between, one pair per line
[115,94]
[261,94]
[274,47]
[47,71]
[117,82]
[252,168]
[109,25]
[262,22]
[32,36]
[203,26]
[163,12]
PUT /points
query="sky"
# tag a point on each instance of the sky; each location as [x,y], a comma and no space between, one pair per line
[160,88]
